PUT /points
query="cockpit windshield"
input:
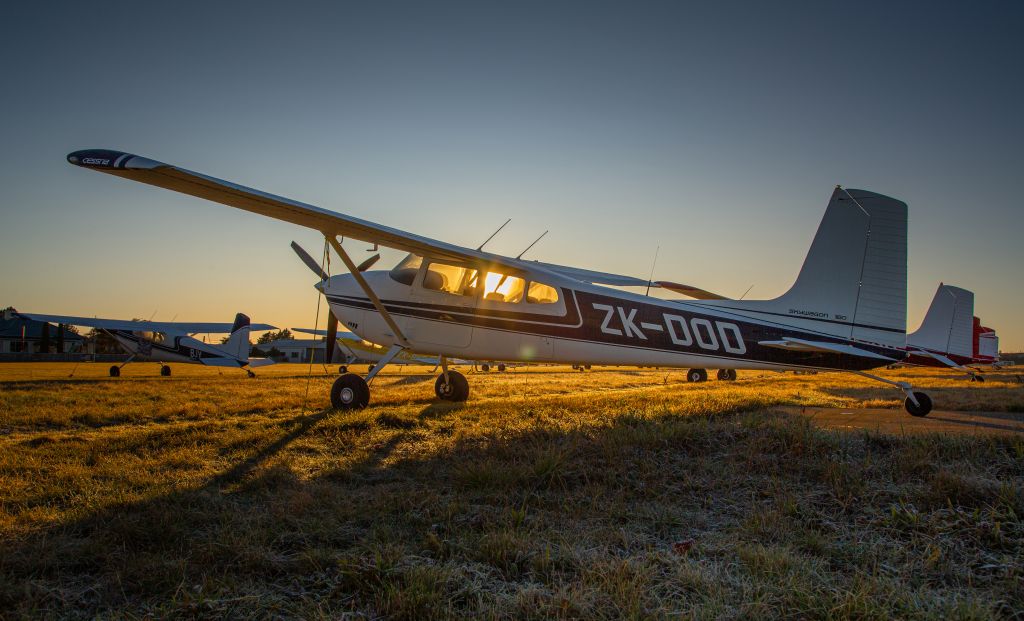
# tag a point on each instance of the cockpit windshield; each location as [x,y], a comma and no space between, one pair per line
[405,272]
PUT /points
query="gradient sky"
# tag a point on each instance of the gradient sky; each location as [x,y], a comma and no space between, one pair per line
[715,131]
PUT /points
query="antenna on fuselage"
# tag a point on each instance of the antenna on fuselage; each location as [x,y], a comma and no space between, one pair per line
[481,246]
[650,279]
[746,292]
[518,256]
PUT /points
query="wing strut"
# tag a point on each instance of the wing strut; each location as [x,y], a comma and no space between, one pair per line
[333,241]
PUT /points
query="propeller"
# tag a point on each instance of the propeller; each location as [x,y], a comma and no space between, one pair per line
[367,264]
[309,261]
[332,337]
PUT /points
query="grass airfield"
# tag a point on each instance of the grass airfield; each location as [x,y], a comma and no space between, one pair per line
[614,493]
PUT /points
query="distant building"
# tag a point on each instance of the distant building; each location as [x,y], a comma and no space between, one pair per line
[296,350]
[19,335]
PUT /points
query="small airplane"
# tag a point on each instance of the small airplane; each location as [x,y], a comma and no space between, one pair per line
[946,335]
[845,312]
[986,347]
[164,341]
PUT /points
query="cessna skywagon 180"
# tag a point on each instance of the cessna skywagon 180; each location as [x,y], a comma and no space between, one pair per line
[946,335]
[163,341]
[846,311]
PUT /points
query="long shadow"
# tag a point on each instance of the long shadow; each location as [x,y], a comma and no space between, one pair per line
[976,423]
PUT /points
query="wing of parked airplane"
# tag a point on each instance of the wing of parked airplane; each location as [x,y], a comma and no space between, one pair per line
[328,222]
[165,327]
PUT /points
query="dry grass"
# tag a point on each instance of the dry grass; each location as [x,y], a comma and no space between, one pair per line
[610,494]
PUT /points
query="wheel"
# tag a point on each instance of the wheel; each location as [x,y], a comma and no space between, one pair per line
[165,371]
[977,378]
[501,368]
[575,367]
[586,366]
[457,388]
[343,369]
[924,404]
[485,367]
[727,375]
[251,374]
[696,375]
[350,392]
[579,367]
[115,371]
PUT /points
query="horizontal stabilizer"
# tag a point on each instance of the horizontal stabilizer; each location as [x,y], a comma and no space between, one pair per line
[943,359]
[794,344]
[260,362]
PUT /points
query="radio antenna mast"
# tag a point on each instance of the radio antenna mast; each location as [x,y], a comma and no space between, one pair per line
[650,279]
[531,245]
[481,246]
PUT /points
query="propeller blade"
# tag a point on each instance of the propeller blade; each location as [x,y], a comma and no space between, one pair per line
[309,261]
[332,337]
[367,264]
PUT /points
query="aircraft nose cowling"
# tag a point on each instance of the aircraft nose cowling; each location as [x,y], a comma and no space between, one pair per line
[110,160]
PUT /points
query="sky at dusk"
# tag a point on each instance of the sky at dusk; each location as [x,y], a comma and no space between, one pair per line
[715,131]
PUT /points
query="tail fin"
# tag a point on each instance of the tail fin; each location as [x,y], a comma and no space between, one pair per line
[853,283]
[948,326]
[986,343]
[237,344]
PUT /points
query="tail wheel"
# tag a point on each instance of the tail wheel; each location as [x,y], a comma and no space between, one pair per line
[115,371]
[342,370]
[455,389]
[350,392]
[727,375]
[923,407]
[697,375]
[165,371]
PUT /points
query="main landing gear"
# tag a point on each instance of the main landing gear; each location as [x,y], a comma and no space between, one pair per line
[727,375]
[916,403]
[697,375]
[351,392]
[115,371]
[165,370]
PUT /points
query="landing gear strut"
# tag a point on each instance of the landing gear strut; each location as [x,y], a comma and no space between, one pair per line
[727,375]
[697,375]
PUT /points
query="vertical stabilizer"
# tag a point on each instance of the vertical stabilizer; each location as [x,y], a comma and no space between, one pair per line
[948,326]
[237,344]
[853,283]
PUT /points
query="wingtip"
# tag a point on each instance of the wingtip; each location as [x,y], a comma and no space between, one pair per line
[108,159]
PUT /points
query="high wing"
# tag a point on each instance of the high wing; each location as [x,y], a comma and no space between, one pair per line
[166,327]
[163,175]
[342,334]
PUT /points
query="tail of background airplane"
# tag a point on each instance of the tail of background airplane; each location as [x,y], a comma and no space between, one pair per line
[237,344]
[853,283]
[948,326]
[986,343]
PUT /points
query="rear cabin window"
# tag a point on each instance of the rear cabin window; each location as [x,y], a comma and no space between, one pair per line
[539,293]
[452,279]
[405,272]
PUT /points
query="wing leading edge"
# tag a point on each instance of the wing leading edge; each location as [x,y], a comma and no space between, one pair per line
[175,327]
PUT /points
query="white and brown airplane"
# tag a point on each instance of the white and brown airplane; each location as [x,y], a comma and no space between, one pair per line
[173,341]
[845,312]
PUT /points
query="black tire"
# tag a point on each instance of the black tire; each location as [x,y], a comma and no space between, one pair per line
[485,367]
[350,392]
[501,368]
[457,388]
[250,373]
[586,366]
[115,371]
[343,369]
[165,371]
[923,407]
[727,375]
[978,378]
[697,375]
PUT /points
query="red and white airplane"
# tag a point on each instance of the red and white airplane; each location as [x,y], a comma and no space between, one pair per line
[845,312]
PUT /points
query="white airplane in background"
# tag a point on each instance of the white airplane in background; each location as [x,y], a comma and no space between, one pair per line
[945,338]
[846,311]
[164,341]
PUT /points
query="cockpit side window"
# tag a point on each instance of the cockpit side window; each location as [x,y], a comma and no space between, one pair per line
[453,279]
[500,287]
[539,293]
[405,272]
